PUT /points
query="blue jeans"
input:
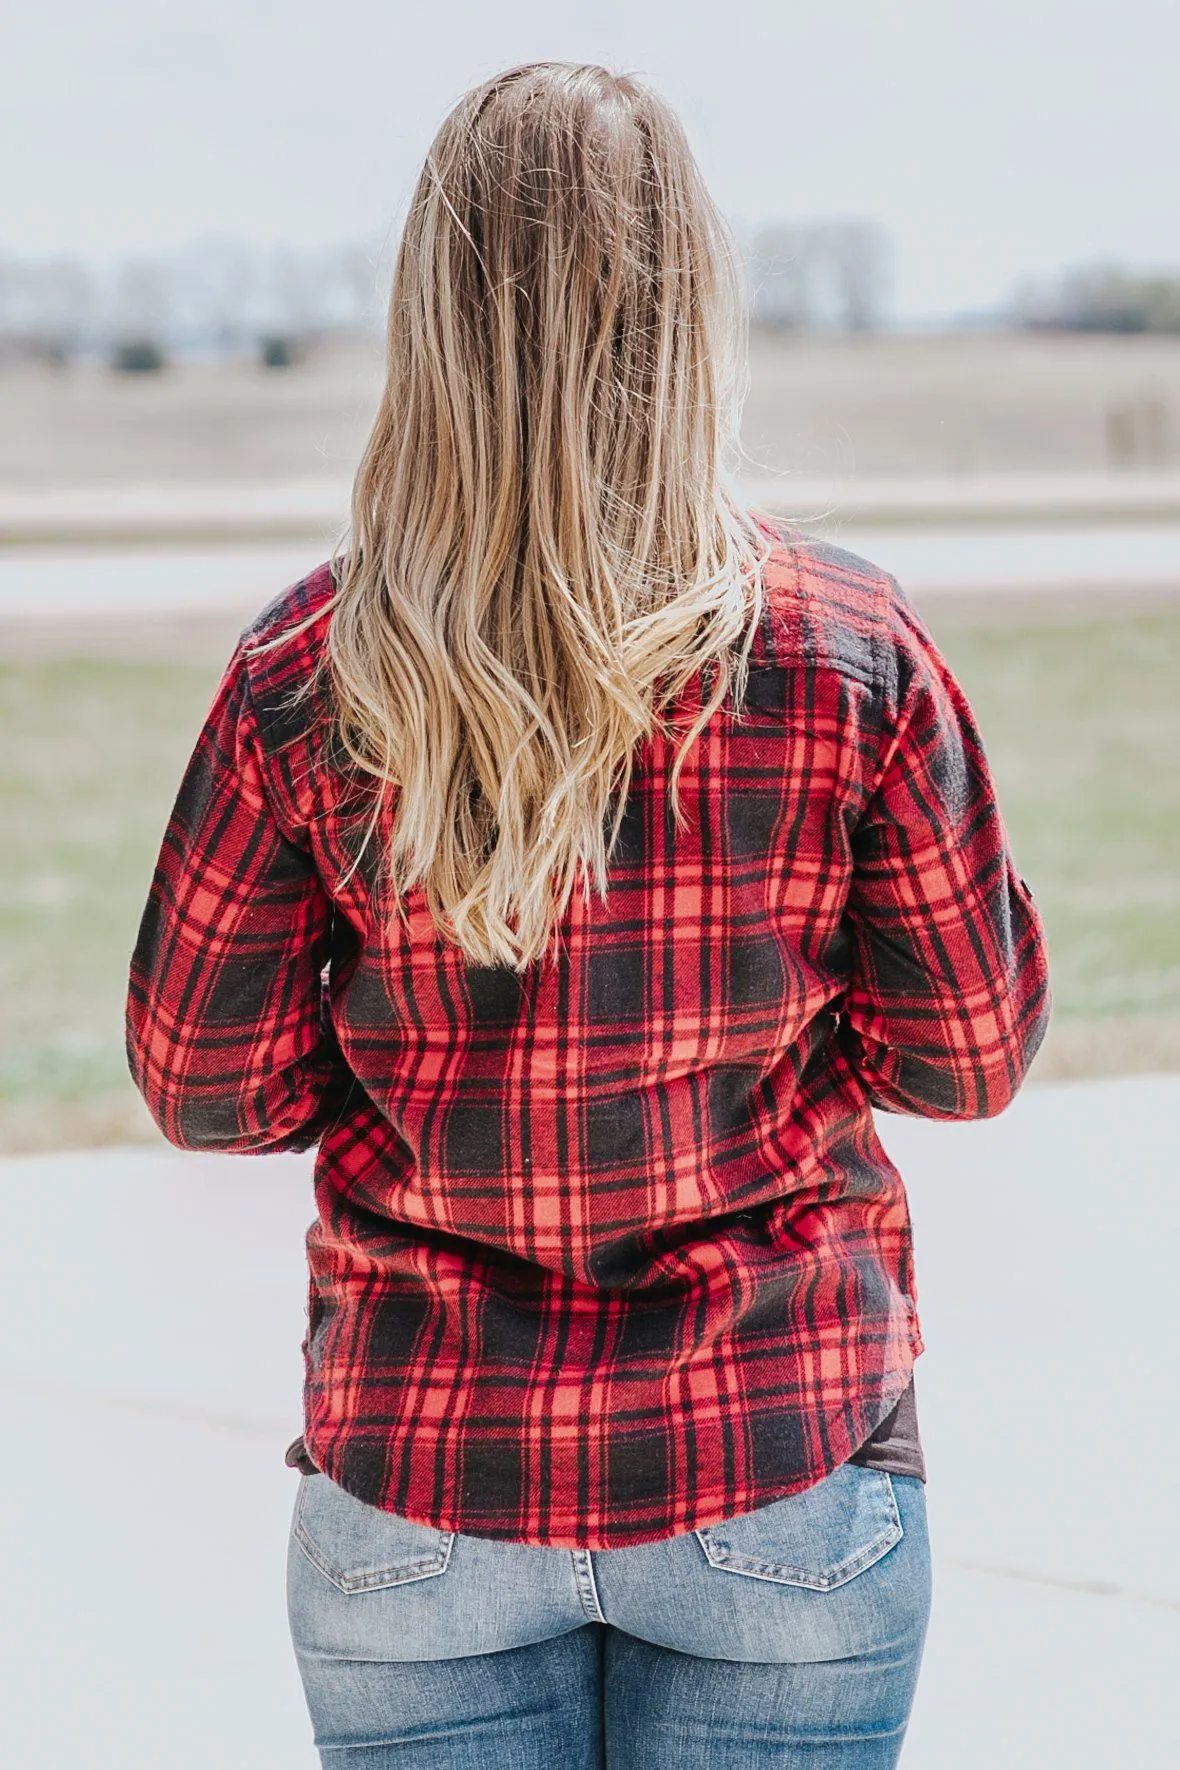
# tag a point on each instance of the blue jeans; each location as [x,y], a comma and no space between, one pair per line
[788,1636]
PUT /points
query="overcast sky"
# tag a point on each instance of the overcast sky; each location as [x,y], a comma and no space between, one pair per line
[992,139]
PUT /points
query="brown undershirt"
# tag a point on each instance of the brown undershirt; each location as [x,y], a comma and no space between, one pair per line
[895,1446]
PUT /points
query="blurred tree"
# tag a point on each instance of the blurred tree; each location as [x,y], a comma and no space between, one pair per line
[216,291]
[1101,298]
[137,356]
[143,314]
[820,276]
[277,352]
[47,306]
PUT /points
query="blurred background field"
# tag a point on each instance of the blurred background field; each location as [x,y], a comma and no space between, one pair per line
[1077,695]
[820,404]
[1077,691]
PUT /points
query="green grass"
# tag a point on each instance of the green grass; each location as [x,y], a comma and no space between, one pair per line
[1081,721]
[91,752]
[1082,725]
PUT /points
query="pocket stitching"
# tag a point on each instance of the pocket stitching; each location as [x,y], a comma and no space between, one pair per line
[372,1579]
[828,1578]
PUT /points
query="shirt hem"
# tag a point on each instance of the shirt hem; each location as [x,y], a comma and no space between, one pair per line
[856,1425]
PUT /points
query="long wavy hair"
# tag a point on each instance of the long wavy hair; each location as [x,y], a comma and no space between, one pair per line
[542,551]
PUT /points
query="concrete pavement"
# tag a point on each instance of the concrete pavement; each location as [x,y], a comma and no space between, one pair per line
[244,509]
[1002,568]
[150,1382]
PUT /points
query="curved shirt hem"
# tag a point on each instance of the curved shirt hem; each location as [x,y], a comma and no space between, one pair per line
[844,1428]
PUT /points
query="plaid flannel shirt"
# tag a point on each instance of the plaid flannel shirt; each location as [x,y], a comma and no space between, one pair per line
[608,1249]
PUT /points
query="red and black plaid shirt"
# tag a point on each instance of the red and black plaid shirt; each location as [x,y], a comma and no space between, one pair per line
[608,1249]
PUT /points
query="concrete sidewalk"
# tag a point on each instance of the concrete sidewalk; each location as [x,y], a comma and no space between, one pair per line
[313,509]
[150,1380]
[1021,571]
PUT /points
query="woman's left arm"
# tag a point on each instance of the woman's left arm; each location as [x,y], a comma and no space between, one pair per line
[228,1039]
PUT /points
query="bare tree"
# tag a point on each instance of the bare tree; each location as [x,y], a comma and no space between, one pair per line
[217,290]
[1101,298]
[821,275]
[144,299]
[47,306]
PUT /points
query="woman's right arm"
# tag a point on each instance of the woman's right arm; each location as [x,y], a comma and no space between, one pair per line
[949,998]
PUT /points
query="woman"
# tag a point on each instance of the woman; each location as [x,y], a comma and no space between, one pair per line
[576,860]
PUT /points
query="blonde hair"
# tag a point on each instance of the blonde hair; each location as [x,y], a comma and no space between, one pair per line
[542,552]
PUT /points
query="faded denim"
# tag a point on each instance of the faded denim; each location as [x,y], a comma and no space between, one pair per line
[788,1636]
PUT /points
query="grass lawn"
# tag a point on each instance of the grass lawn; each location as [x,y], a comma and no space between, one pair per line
[1082,726]
[1082,722]
[92,751]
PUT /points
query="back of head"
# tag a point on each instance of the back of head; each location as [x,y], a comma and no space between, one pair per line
[542,552]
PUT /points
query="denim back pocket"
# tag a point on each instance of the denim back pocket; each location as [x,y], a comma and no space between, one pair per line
[359,1547]
[820,1538]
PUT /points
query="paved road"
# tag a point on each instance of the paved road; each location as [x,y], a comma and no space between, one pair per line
[43,584]
[246,508]
[150,1382]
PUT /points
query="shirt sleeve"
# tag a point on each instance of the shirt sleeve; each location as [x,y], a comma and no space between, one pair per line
[228,1037]
[949,998]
